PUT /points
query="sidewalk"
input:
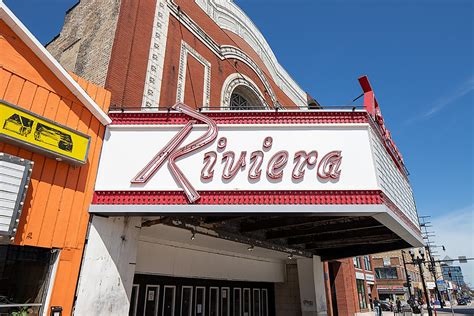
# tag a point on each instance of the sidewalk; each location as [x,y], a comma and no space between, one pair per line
[385,313]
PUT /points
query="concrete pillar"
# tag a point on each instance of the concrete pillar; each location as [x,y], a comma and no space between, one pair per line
[312,287]
[287,294]
[106,279]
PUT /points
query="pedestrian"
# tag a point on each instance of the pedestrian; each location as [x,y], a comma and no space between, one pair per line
[399,305]
[377,307]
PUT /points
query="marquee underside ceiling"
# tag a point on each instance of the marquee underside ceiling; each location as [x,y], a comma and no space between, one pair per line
[331,237]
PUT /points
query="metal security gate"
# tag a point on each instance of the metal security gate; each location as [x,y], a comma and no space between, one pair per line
[154,295]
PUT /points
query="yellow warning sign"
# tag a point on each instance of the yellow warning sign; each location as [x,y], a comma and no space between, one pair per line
[27,129]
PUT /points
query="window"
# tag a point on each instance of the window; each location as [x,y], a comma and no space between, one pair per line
[214,301]
[238,101]
[244,98]
[186,301]
[361,294]
[247,303]
[264,302]
[152,296]
[200,301]
[357,263]
[256,302]
[386,273]
[237,302]
[24,274]
[169,300]
[367,265]
[225,301]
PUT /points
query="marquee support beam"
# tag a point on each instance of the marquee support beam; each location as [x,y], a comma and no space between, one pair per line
[357,250]
[344,242]
[352,234]
[351,224]
[287,222]
[193,225]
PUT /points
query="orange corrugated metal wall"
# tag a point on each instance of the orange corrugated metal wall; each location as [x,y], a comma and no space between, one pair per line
[55,214]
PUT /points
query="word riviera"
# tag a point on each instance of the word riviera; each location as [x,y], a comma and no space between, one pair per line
[328,167]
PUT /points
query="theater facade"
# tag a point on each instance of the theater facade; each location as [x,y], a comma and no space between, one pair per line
[206,210]
[223,188]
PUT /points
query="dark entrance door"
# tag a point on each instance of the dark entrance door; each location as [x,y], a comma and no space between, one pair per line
[333,266]
[165,296]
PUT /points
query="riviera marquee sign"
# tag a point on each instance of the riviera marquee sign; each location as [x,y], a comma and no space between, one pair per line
[328,166]
[218,152]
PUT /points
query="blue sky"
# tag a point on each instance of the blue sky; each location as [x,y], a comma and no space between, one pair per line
[418,55]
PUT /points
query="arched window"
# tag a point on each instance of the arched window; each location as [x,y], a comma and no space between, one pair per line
[244,98]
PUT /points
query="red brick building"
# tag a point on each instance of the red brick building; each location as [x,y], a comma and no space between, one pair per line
[350,286]
[195,52]
[391,272]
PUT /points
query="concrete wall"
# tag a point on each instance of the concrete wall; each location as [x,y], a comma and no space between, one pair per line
[108,268]
[312,287]
[287,294]
[84,45]
[186,261]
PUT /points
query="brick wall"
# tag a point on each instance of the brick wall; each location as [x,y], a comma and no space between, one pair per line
[126,72]
[396,261]
[85,43]
[287,295]
[108,43]
[344,282]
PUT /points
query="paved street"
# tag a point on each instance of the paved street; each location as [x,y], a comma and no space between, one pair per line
[458,310]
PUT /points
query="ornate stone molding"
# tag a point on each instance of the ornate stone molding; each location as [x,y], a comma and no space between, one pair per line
[230,17]
[156,59]
[233,52]
[183,61]
[224,51]
[232,82]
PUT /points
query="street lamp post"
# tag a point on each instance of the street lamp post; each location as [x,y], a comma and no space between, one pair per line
[432,268]
[407,275]
[419,261]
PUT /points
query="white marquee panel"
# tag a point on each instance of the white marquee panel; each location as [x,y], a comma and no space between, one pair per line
[128,149]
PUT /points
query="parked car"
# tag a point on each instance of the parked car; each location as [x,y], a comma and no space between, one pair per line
[462,301]
[385,306]
[406,307]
